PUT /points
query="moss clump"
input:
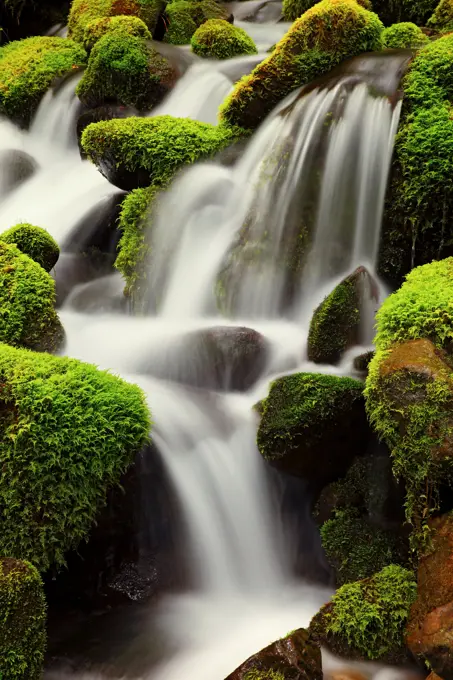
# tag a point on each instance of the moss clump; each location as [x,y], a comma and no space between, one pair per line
[68,433]
[23,621]
[325,35]
[403,35]
[27,298]
[27,69]
[185,16]
[367,619]
[156,147]
[293,9]
[442,18]
[83,13]
[122,25]
[218,39]
[125,69]
[35,242]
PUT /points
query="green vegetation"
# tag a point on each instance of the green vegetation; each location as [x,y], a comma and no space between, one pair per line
[403,35]
[218,39]
[68,433]
[269,674]
[27,69]
[185,16]
[367,619]
[417,12]
[325,35]
[23,621]
[35,242]
[293,9]
[120,25]
[442,18]
[126,69]
[27,298]
[84,13]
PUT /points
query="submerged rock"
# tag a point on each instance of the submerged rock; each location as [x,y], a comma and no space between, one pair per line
[294,657]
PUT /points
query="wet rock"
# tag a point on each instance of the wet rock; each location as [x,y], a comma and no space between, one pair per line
[291,658]
[16,167]
[336,323]
[73,269]
[362,362]
[430,627]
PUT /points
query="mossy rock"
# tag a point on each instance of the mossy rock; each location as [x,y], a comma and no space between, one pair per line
[313,425]
[35,242]
[23,621]
[404,35]
[27,300]
[366,620]
[293,9]
[135,152]
[120,25]
[68,433]
[125,69]
[325,35]
[442,17]
[183,17]
[218,39]
[27,70]
[84,13]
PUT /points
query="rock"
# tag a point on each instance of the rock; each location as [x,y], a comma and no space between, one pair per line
[99,114]
[183,17]
[16,167]
[365,620]
[291,658]
[430,627]
[362,361]
[218,39]
[313,425]
[121,25]
[35,242]
[336,323]
[74,269]
[293,9]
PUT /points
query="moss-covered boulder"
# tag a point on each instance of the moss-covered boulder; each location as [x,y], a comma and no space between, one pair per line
[325,35]
[68,433]
[404,35]
[442,17]
[293,9]
[84,13]
[294,656]
[35,242]
[120,25]
[27,69]
[335,325]
[218,39]
[313,425]
[183,17]
[366,620]
[22,622]
[430,627]
[27,298]
[125,69]
[135,152]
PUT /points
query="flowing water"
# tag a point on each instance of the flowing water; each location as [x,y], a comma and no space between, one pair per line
[322,159]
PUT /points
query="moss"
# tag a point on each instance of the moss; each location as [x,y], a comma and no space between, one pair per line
[125,69]
[403,35]
[367,619]
[27,298]
[68,433]
[159,146]
[27,69]
[218,39]
[429,80]
[442,17]
[23,621]
[269,674]
[293,9]
[123,25]
[84,12]
[185,16]
[35,242]
[325,35]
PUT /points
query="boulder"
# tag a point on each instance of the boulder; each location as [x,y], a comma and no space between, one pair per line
[17,166]
[183,17]
[362,361]
[35,242]
[294,657]
[218,39]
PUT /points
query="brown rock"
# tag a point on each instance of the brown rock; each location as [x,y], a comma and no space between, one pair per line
[294,657]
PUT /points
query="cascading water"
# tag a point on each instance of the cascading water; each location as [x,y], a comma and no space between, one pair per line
[243,594]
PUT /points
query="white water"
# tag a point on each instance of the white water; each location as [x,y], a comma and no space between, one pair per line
[243,594]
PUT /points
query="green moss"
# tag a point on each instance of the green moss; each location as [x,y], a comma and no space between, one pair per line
[185,16]
[293,9]
[27,69]
[403,35]
[84,12]
[356,548]
[325,35]
[218,39]
[269,674]
[68,433]
[35,242]
[429,79]
[125,69]
[23,621]
[442,18]
[334,323]
[368,618]
[123,25]
[27,298]
[159,145]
